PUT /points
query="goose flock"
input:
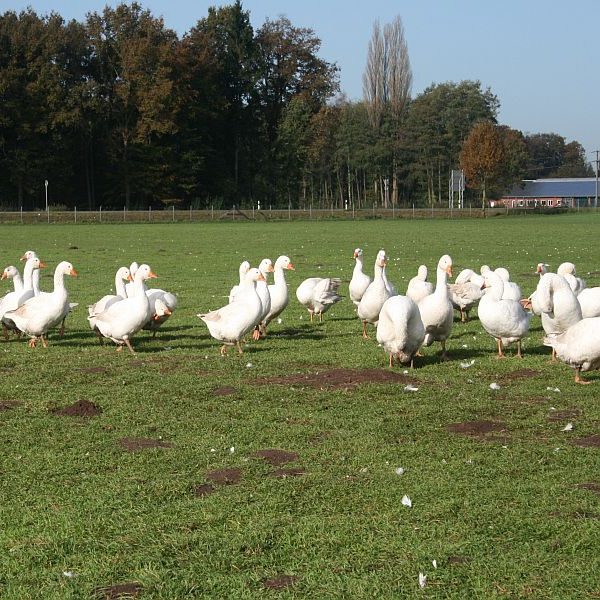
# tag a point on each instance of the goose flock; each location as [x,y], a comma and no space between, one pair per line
[569,310]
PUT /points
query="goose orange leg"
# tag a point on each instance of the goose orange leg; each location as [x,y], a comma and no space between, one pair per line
[578,378]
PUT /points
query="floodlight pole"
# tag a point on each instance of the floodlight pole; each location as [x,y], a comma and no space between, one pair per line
[46,185]
[596,196]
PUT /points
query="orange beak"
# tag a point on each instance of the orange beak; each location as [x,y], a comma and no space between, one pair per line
[539,269]
[129,277]
[73,273]
[23,257]
[4,275]
[355,255]
[270,269]
[291,266]
[152,275]
[261,277]
[167,311]
[526,303]
[43,265]
[449,270]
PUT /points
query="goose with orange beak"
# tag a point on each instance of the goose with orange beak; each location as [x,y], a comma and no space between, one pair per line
[278,291]
[43,312]
[123,319]
[437,312]
[230,323]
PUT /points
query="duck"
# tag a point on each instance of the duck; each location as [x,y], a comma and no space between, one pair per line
[400,329]
[437,312]
[504,319]
[465,292]
[123,319]
[318,295]
[123,274]
[375,295]
[230,323]
[578,346]
[40,313]
[278,291]
[262,289]
[244,268]
[360,280]
[418,286]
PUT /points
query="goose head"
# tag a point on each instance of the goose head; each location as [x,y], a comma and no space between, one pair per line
[285,263]
[244,268]
[9,272]
[266,266]
[358,253]
[133,267]
[382,259]
[144,272]
[422,272]
[503,274]
[542,268]
[566,268]
[445,264]
[254,275]
[493,284]
[66,268]
[29,254]
[484,269]
[125,274]
[162,310]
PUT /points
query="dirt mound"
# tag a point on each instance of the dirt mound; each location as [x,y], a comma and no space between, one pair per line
[225,476]
[592,441]
[476,428]
[276,457]
[203,490]
[280,582]
[139,444]
[9,404]
[122,590]
[81,408]
[340,378]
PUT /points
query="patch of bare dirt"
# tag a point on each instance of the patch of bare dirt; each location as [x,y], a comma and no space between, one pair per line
[280,582]
[476,428]
[226,390]
[81,408]
[563,415]
[94,370]
[591,441]
[121,590]
[276,457]
[9,404]
[139,444]
[520,374]
[284,473]
[203,490]
[592,486]
[136,363]
[225,476]
[340,378]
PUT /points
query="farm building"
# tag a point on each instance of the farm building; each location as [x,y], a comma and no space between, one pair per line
[552,193]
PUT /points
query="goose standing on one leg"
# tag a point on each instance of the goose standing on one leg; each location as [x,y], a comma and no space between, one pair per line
[436,310]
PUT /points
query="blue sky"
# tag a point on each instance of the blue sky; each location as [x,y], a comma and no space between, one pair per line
[537,56]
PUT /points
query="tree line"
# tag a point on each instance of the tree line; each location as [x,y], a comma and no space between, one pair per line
[119,111]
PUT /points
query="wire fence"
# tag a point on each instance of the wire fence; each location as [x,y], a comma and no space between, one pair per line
[172,215]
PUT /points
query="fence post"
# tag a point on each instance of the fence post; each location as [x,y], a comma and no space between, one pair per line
[173,207]
[393,211]
[212,212]
[75,214]
[101,213]
[48,211]
[21,213]
[123,213]
[190,213]
[310,211]
[289,211]
[413,210]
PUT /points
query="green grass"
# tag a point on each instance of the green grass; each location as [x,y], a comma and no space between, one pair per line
[73,500]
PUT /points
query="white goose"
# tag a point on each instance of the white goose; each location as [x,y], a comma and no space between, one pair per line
[35,276]
[511,290]
[40,313]
[579,346]
[278,291]
[318,295]
[162,306]
[11,300]
[375,295]
[567,270]
[465,292]
[558,303]
[400,329]
[123,274]
[230,323]
[123,319]
[244,268]
[130,287]
[505,320]
[418,286]
[262,289]
[436,310]
[360,281]
[531,303]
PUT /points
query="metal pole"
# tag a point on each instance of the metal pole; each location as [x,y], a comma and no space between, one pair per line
[596,197]
[76,214]
[149,214]
[46,185]
[413,210]
[100,213]
[212,212]
[173,213]
[21,213]
[48,212]
[123,214]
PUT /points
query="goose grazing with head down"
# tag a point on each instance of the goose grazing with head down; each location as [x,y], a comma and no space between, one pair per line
[558,303]
[418,286]
[244,268]
[360,281]
[505,320]
[318,295]
[400,329]
[436,310]
[230,323]
[466,292]
[162,306]
[40,313]
[123,319]
[375,295]
[123,274]
[578,346]
[279,290]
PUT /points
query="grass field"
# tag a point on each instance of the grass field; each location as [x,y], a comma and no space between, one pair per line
[503,500]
